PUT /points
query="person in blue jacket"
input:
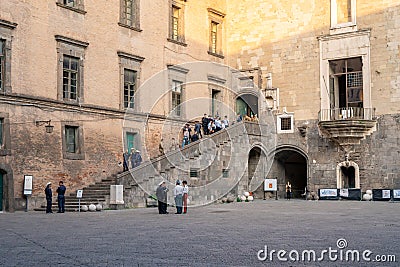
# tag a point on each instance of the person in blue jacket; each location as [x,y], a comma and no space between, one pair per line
[49,197]
[61,198]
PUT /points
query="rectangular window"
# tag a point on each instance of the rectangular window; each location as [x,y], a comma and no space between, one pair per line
[1,132]
[70,77]
[176,97]
[175,23]
[286,124]
[2,64]
[194,173]
[130,77]
[214,37]
[225,173]
[347,83]
[343,11]
[70,3]
[129,14]
[71,138]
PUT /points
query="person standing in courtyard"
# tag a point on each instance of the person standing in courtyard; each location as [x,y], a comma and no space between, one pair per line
[288,190]
[185,196]
[126,156]
[178,194]
[61,198]
[49,197]
[161,194]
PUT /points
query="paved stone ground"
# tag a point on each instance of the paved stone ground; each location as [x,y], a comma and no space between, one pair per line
[215,235]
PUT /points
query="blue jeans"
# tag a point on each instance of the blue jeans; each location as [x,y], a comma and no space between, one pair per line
[61,203]
[179,203]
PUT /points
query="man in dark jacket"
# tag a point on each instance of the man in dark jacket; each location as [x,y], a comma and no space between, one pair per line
[126,157]
[49,197]
[61,198]
[161,194]
[204,124]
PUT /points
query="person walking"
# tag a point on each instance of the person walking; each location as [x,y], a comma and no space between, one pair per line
[178,194]
[161,194]
[61,198]
[185,196]
[288,190]
[49,197]
[197,129]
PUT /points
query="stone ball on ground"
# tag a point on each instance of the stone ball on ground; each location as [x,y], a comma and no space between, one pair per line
[92,207]
[224,199]
[242,198]
[84,208]
[250,198]
[367,197]
[230,199]
[369,192]
[99,207]
[246,194]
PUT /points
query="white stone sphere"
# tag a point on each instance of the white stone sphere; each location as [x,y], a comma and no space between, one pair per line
[367,197]
[99,207]
[369,192]
[84,208]
[243,198]
[250,198]
[92,207]
[246,194]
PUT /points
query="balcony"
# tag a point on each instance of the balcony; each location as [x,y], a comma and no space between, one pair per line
[347,126]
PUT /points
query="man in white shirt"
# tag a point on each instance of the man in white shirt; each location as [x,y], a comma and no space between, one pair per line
[178,194]
[185,196]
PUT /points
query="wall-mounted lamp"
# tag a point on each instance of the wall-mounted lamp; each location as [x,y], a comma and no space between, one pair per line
[49,127]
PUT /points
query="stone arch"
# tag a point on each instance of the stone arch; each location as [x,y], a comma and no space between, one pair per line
[290,163]
[247,102]
[257,169]
[340,175]
[8,187]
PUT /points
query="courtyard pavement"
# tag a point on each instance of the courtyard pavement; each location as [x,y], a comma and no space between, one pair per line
[234,234]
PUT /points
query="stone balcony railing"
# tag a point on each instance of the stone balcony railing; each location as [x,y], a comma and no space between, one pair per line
[347,126]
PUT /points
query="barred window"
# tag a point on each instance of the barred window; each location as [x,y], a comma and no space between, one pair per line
[286,124]
[194,173]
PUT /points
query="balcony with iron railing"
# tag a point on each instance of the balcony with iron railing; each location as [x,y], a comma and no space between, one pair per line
[347,126]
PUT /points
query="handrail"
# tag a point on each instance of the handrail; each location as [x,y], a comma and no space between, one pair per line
[349,113]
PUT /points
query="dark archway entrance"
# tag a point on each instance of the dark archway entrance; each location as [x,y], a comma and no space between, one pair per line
[348,176]
[290,165]
[247,104]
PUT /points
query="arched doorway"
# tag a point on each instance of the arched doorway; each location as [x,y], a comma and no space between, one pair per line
[256,171]
[348,175]
[290,165]
[247,104]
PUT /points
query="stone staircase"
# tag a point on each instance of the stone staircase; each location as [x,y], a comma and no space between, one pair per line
[98,193]
[213,166]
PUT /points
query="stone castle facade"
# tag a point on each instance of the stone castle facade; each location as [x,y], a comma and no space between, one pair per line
[111,77]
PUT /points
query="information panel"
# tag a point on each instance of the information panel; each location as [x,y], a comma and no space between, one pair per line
[28,179]
[270,185]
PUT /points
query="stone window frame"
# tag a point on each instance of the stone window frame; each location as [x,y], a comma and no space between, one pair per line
[80,154]
[130,62]
[79,7]
[177,73]
[5,147]
[73,48]
[137,141]
[285,115]
[6,35]
[216,83]
[122,17]
[336,27]
[357,44]
[180,38]
[215,16]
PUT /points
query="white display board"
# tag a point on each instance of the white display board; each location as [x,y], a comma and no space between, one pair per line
[344,192]
[396,193]
[328,192]
[385,193]
[117,194]
[28,182]
[79,193]
[270,185]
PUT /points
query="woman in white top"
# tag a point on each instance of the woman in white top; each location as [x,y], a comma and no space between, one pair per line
[178,194]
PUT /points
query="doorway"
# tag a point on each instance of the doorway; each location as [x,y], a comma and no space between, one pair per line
[247,105]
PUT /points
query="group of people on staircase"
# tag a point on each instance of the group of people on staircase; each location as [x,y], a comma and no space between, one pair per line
[181,193]
[133,157]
